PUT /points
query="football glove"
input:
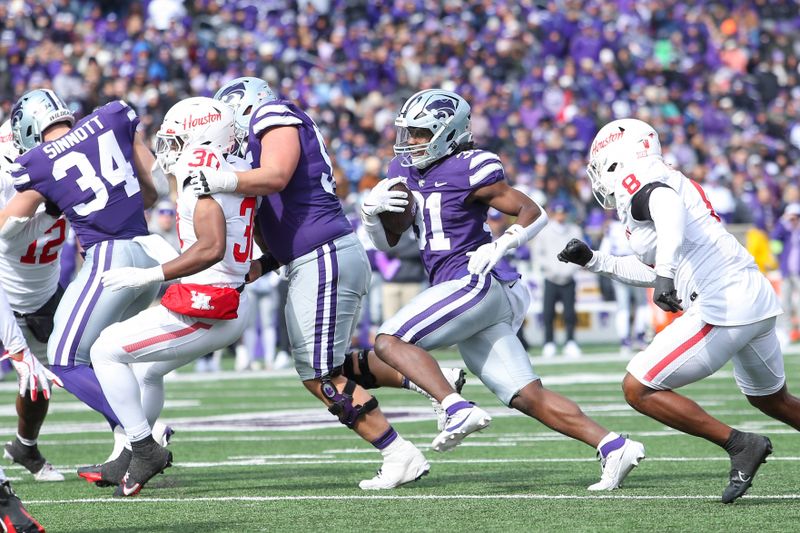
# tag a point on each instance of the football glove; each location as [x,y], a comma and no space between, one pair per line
[665,296]
[484,259]
[209,181]
[31,374]
[131,277]
[381,199]
[576,251]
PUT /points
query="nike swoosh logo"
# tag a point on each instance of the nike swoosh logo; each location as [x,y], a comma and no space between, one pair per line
[128,491]
[744,477]
[439,183]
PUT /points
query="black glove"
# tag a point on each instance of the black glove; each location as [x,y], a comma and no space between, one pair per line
[52,209]
[665,296]
[576,251]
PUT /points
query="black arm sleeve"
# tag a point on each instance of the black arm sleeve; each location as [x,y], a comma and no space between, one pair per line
[640,203]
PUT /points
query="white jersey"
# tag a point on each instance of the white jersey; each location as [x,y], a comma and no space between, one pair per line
[713,271]
[239,212]
[29,262]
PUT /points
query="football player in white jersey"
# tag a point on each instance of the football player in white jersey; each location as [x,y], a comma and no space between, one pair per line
[32,376]
[29,273]
[694,264]
[207,310]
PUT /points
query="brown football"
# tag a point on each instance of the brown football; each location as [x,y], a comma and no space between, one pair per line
[398,223]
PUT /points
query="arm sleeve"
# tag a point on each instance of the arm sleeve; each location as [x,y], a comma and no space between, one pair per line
[627,269]
[374,228]
[32,230]
[10,334]
[669,217]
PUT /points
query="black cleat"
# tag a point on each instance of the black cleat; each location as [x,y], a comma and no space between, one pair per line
[745,464]
[107,474]
[13,515]
[145,465]
[32,459]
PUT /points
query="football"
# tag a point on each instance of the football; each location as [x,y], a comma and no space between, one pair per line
[398,223]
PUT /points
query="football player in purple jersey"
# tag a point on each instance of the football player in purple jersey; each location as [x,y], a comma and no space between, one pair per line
[475,301]
[97,172]
[304,227]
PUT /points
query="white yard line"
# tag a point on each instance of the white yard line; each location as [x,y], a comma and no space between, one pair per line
[423,497]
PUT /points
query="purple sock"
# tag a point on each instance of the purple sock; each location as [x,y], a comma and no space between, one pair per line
[609,447]
[457,407]
[386,439]
[81,381]
[405,382]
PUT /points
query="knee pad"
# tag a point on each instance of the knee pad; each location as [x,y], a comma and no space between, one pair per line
[342,403]
[366,378]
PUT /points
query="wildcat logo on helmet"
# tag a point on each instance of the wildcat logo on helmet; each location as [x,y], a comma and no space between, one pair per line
[442,108]
[191,122]
[232,95]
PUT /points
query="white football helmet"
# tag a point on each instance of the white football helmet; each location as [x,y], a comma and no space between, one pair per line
[442,113]
[33,113]
[616,148]
[244,95]
[194,121]
[8,152]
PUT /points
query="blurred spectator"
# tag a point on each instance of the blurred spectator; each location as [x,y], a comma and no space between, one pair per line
[403,274]
[164,223]
[786,236]
[559,278]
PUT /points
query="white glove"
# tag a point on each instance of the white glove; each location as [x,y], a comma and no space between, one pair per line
[483,260]
[131,277]
[381,199]
[208,181]
[32,374]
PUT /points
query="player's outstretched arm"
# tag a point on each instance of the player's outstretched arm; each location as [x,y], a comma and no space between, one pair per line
[531,218]
[209,249]
[143,160]
[280,155]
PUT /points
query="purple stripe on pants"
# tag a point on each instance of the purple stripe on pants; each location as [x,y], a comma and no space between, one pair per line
[320,311]
[450,315]
[416,319]
[64,334]
[334,289]
[73,349]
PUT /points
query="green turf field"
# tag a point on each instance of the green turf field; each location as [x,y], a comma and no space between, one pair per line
[257,453]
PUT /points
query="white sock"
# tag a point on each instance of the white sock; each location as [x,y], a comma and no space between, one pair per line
[451,399]
[138,432]
[27,442]
[120,442]
[394,446]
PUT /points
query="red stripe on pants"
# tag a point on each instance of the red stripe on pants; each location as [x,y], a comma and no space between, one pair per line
[677,352]
[129,348]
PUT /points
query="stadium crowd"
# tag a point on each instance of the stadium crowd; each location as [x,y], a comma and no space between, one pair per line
[718,80]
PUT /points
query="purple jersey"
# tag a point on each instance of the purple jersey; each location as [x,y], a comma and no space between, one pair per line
[450,225]
[88,173]
[307,213]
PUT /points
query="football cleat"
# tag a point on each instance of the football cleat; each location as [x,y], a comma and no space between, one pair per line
[463,418]
[618,464]
[404,465]
[145,465]
[32,460]
[14,518]
[745,465]
[456,378]
[109,473]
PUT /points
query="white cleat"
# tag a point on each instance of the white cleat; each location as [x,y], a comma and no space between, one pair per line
[618,464]
[460,424]
[456,378]
[48,473]
[404,465]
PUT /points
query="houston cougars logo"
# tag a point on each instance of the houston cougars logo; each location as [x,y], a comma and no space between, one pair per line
[442,108]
